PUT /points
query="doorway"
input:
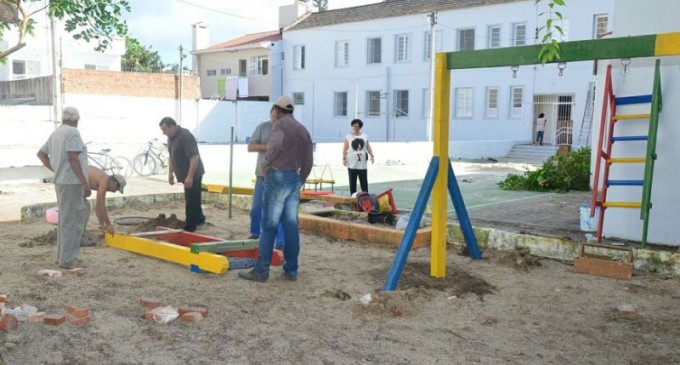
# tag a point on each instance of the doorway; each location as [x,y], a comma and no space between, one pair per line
[558,112]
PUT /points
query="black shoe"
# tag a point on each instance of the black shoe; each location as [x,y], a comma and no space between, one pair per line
[289,276]
[252,275]
[253,237]
[190,228]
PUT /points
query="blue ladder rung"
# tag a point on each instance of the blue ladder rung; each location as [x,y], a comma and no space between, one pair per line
[634,99]
[629,138]
[625,182]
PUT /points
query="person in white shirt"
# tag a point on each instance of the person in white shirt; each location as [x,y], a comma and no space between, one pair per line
[540,128]
[355,155]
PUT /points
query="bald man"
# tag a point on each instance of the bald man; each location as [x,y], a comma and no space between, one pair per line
[103,183]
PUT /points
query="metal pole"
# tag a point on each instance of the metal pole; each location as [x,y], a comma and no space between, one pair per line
[56,74]
[430,120]
[181,81]
[231,165]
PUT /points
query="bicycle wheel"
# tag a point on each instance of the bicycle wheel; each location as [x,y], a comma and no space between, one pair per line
[123,166]
[144,164]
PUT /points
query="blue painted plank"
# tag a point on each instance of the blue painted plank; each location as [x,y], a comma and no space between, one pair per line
[625,182]
[629,138]
[634,99]
[462,214]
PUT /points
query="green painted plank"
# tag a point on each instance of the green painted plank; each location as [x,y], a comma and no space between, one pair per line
[594,49]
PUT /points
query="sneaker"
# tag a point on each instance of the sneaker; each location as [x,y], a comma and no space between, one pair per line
[252,275]
[289,276]
[202,222]
[253,237]
[279,246]
[190,228]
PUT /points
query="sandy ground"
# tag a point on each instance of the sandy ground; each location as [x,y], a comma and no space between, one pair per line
[509,308]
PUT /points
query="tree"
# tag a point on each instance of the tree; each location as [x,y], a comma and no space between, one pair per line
[320,5]
[551,48]
[140,58]
[98,20]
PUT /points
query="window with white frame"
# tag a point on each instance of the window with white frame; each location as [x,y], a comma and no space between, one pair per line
[464,96]
[374,50]
[494,36]
[373,103]
[492,102]
[342,54]
[299,57]
[242,67]
[600,25]
[516,95]
[18,67]
[466,39]
[259,65]
[400,103]
[438,41]
[340,104]
[426,103]
[211,72]
[402,46]
[225,71]
[519,34]
[298,98]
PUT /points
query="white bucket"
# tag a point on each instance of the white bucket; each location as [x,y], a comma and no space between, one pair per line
[589,224]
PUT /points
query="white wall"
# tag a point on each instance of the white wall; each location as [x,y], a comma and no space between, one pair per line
[640,18]
[321,78]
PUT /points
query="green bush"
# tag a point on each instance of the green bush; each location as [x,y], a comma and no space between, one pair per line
[558,173]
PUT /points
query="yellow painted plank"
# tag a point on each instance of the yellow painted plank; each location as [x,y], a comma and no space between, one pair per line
[627,160]
[667,44]
[636,205]
[206,261]
[223,189]
[631,116]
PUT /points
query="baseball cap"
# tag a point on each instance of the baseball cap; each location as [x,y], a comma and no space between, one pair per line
[284,102]
[121,182]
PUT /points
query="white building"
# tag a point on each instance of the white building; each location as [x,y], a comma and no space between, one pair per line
[373,62]
[35,59]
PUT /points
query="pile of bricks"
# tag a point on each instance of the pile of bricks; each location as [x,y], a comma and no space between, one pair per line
[166,314]
[10,318]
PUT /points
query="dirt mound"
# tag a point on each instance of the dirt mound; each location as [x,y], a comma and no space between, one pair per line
[51,238]
[521,259]
[457,281]
[171,222]
[394,303]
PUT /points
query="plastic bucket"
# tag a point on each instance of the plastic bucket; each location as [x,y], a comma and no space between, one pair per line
[589,224]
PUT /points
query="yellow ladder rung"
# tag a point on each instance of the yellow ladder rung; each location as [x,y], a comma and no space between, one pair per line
[627,160]
[621,205]
[631,116]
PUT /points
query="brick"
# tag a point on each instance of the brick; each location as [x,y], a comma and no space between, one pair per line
[3,298]
[9,322]
[77,312]
[191,317]
[627,311]
[201,310]
[55,319]
[150,302]
[77,271]
[38,317]
[78,321]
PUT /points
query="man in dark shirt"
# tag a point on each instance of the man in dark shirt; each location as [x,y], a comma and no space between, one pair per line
[287,164]
[186,165]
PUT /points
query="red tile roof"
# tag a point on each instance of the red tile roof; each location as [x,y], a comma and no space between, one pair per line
[248,39]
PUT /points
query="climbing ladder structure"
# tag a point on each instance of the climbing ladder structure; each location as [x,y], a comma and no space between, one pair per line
[605,161]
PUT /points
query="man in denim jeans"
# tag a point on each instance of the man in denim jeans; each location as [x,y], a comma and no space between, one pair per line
[287,164]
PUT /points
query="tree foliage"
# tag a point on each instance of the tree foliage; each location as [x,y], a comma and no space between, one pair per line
[551,30]
[558,173]
[89,20]
[320,5]
[140,58]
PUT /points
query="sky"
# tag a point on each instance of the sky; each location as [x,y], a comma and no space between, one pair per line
[165,24]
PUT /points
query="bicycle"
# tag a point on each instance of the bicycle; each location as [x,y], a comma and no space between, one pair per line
[150,159]
[109,164]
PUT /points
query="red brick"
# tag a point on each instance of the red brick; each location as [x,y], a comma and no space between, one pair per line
[54,319]
[191,317]
[77,271]
[3,298]
[78,321]
[9,322]
[150,302]
[36,317]
[77,312]
[203,311]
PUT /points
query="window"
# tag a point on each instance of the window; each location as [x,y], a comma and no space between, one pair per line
[492,102]
[211,72]
[494,36]
[519,34]
[516,101]
[600,25]
[259,65]
[374,50]
[464,102]
[340,104]
[426,103]
[466,39]
[342,54]
[428,44]
[299,57]
[400,103]
[402,48]
[242,69]
[90,66]
[299,98]
[18,67]
[225,71]
[373,103]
